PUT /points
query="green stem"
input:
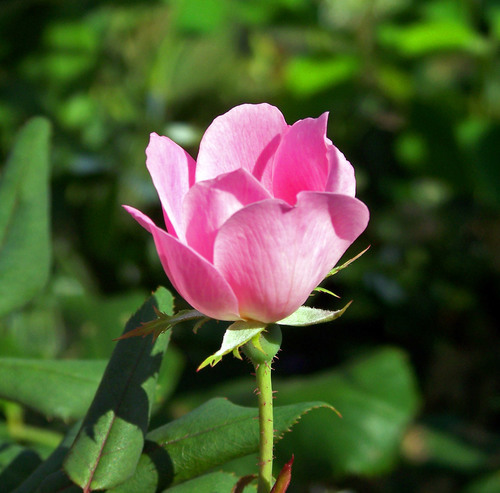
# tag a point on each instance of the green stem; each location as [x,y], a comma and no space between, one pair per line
[265,392]
[19,430]
[261,353]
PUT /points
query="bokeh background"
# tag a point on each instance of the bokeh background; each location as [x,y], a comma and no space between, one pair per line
[413,91]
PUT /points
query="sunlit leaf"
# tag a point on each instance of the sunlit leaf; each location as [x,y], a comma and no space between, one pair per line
[236,335]
[215,481]
[376,395]
[55,388]
[306,76]
[207,437]
[423,38]
[306,315]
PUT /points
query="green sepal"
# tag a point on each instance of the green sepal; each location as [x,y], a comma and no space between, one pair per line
[236,335]
[344,265]
[263,347]
[319,289]
[163,323]
[284,478]
[306,315]
[200,322]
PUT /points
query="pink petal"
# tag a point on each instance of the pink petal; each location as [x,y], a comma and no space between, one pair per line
[341,177]
[273,255]
[141,218]
[245,137]
[208,204]
[301,161]
[196,280]
[172,170]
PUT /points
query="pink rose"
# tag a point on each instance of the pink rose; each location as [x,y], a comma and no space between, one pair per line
[256,223]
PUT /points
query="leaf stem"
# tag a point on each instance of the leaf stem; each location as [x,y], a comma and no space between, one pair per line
[265,393]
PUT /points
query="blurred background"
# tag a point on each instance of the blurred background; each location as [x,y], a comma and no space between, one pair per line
[413,91]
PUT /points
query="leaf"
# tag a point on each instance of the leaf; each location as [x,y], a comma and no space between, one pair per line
[169,376]
[236,335]
[489,483]
[59,482]
[101,319]
[62,389]
[24,217]
[424,38]
[215,482]
[306,315]
[110,442]
[16,463]
[377,397]
[207,437]
[447,448]
[307,77]
[49,466]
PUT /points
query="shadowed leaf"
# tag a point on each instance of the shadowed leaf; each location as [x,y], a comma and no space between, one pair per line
[24,217]
[110,442]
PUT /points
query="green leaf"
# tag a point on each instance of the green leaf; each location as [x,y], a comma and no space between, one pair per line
[207,437]
[35,331]
[307,77]
[110,442]
[62,389]
[24,217]
[168,378]
[51,465]
[215,482]
[16,463]
[489,483]
[58,481]
[101,319]
[201,16]
[236,335]
[306,315]
[423,38]
[447,449]
[377,397]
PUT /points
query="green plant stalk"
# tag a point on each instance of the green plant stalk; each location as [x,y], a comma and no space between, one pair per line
[261,353]
[266,442]
[18,430]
